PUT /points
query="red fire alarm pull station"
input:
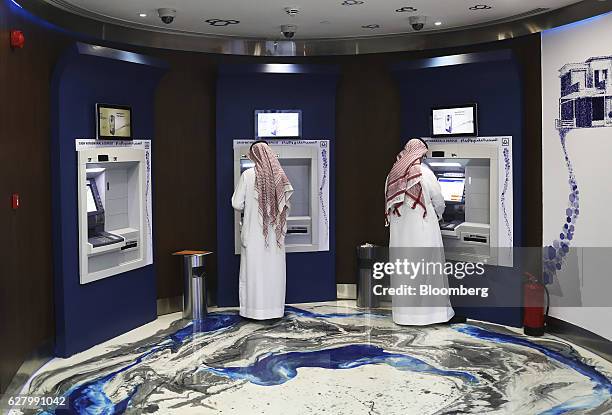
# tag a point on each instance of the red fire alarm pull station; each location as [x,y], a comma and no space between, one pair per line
[17,39]
[15,201]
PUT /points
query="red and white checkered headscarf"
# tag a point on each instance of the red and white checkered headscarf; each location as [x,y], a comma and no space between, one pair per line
[273,191]
[404,180]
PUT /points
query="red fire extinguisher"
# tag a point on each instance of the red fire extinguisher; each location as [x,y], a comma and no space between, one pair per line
[534,313]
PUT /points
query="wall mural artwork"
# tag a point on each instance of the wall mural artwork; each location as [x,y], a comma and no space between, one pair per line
[577,115]
[555,253]
[585,102]
[576,174]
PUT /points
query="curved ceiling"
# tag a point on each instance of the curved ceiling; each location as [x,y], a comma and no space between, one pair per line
[317,19]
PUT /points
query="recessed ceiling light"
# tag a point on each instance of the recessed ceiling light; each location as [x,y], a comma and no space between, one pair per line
[222,22]
[438,23]
[143,15]
[481,7]
[406,9]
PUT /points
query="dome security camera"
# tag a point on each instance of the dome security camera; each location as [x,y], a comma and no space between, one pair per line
[288,30]
[292,11]
[166,15]
[417,22]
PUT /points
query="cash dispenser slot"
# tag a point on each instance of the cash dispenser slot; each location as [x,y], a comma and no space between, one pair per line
[298,230]
[475,238]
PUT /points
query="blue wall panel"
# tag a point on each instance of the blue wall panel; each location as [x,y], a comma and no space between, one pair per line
[496,87]
[92,313]
[240,91]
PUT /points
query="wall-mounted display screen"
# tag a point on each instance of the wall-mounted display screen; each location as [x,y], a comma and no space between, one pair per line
[113,122]
[452,188]
[454,121]
[278,123]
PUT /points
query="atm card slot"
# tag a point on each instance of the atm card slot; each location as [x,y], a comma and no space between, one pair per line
[129,245]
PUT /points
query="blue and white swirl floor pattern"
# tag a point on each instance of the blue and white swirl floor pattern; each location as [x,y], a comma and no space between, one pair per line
[326,358]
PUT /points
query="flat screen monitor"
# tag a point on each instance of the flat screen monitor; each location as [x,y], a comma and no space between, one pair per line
[454,121]
[113,122]
[91,202]
[278,123]
[452,188]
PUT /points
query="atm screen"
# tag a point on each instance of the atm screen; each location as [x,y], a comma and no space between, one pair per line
[452,188]
[278,123]
[454,121]
[245,164]
[91,202]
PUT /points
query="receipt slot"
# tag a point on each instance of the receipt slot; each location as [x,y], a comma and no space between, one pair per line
[112,211]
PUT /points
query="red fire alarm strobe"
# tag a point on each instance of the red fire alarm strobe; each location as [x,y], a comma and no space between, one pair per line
[15,201]
[17,39]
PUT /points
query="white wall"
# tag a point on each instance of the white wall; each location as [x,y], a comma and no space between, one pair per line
[587,273]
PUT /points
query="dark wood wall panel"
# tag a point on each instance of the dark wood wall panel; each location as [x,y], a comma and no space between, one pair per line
[184,169]
[367,140]
[528,53]
[26,272]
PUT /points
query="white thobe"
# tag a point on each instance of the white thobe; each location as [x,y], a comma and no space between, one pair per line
[262,268]
[417,238]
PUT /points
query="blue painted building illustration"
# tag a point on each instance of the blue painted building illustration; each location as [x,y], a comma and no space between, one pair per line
[586,94]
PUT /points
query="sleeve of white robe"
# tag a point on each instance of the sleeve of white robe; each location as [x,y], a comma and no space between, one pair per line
[435,191]
[239,195]
[385,200]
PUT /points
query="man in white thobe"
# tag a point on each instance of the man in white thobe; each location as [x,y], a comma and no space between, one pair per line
[263,194]
[414,206]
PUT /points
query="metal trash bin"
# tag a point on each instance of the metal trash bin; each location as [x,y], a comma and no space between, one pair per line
[194,284]
[367,255]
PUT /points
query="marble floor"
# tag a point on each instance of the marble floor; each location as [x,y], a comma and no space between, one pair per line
[327,358]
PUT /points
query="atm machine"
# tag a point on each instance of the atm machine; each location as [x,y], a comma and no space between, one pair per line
[478,215]
[300,163]
[112,211]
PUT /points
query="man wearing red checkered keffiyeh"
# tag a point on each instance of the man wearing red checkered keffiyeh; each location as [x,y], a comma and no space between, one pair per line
[262,195]
[273,190]
[413,206]
[404,181]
